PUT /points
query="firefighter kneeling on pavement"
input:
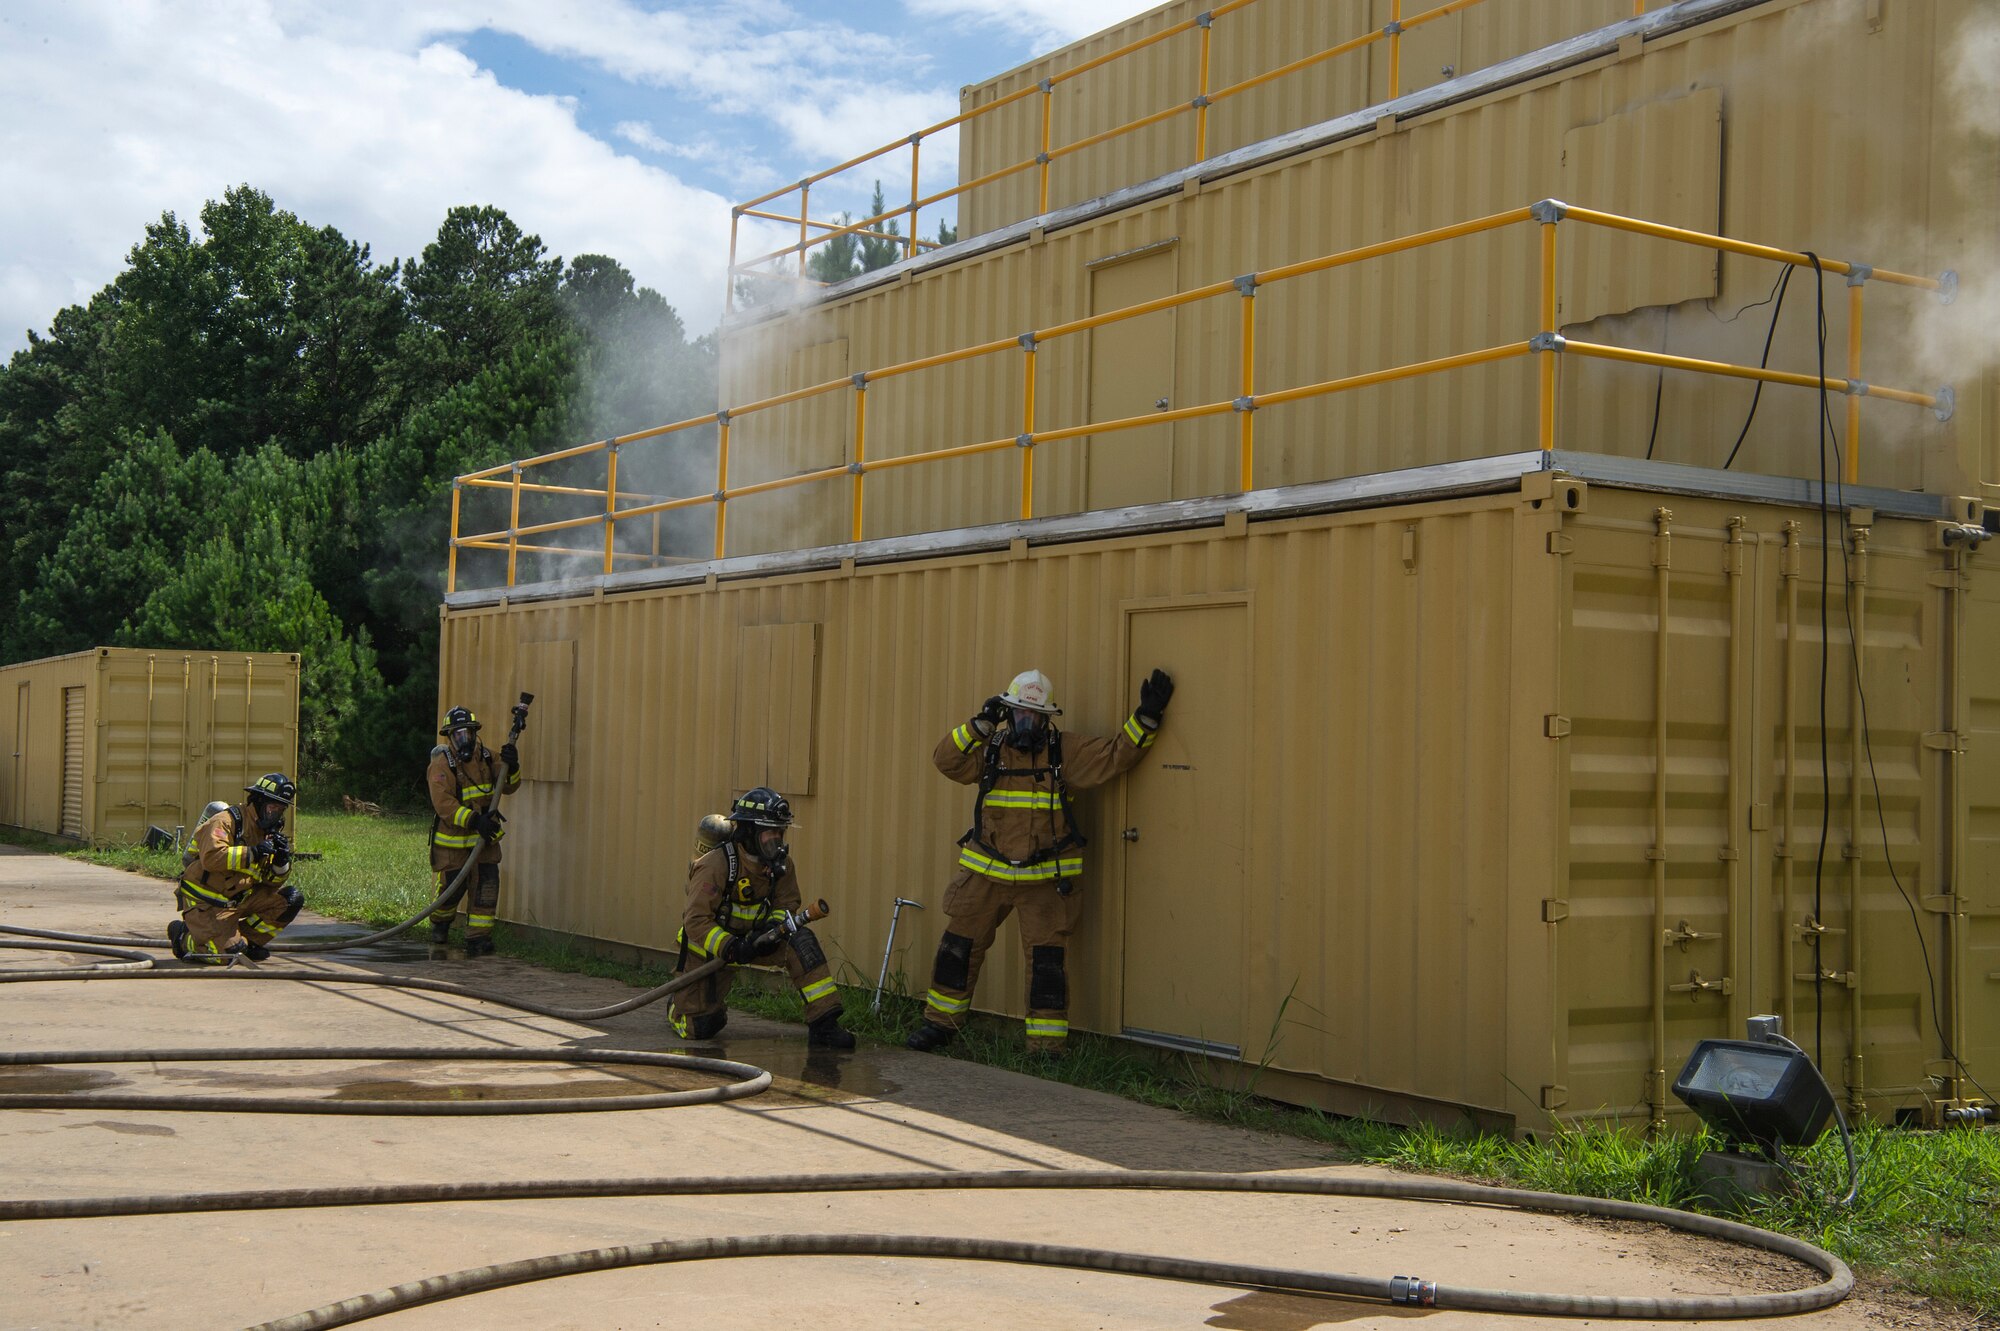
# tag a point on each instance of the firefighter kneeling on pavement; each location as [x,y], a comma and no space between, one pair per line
[461,778]
[232,891]
[1024,852]
[737,893]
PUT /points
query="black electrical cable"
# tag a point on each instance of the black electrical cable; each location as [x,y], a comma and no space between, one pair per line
[1402,1290]
[1867,737]
[1783,284]
[1659,382]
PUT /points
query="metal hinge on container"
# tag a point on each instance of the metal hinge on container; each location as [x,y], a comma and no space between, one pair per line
[1561,544]
[1555,725]
[1554,1097]
[1554,909]
[1948,741]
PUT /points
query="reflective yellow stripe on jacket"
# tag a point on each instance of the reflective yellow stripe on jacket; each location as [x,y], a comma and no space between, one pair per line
[1067,866]
[1023,799]
[451,841]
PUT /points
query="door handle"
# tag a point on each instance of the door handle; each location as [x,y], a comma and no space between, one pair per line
[1130,834]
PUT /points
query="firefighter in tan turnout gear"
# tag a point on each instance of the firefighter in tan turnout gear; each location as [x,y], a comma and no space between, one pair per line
[232,893]
[461,777]
[737,895]
[1024,852]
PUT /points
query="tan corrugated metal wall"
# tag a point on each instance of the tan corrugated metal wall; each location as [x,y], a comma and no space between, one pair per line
[1438,720]
[108,741]
[1806,164]
[1264,36]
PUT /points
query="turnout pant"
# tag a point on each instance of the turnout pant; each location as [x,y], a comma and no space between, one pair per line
[975,906]
[700,1011]
[255,917]
[481,901]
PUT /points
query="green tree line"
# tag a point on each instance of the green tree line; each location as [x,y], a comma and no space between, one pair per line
[246,441]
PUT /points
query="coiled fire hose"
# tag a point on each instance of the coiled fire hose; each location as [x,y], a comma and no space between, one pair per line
[1407,1291]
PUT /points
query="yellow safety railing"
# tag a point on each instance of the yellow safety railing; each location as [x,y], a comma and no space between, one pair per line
[1545,342]
[1198,105]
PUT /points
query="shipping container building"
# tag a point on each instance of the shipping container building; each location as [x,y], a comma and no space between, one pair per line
[1548,443]
[102,744]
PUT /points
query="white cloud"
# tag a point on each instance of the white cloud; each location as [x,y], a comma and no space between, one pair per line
[1045,23]
[366,116]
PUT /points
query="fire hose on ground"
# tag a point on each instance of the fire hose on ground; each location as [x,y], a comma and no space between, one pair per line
[1397,1290]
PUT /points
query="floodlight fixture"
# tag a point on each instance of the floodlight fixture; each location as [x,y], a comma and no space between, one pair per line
[1765,1093]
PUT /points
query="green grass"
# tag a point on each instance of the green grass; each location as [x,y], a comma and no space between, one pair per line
[1927,1219]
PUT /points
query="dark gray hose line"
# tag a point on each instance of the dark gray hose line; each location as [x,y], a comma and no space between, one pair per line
[130,959]
[1415,1291]
[749,1081]
[214,973]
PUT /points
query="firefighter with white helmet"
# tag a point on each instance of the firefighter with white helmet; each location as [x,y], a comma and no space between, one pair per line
[461,778]
[1024,852]
[738,890]
[232,894]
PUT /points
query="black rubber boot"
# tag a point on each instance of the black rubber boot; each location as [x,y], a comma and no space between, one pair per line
[929,1036]
[825,1033]
[440,932]
[177,938]
[481,946]
[256,951]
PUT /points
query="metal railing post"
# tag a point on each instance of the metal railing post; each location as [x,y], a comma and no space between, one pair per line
[513,525]
[805,199]
[729,283]
[1207,22]
[1027,439]
[910,242]
[1042,159]
[1395,46]
[858,466]
[610,501]
[1246,404]
[1855,282]
[1546,360]
[721,477]
[451,556]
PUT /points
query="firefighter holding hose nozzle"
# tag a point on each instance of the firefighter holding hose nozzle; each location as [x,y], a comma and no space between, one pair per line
[232,893]
[743,905]
[461,778]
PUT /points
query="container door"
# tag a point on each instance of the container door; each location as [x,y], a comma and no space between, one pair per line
[72,764]
[1132,374]
[1977,813]
[1184,831]
[19,813]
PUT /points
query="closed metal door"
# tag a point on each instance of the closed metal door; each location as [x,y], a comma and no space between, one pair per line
[1185,816]
[1131,374]
[71,824]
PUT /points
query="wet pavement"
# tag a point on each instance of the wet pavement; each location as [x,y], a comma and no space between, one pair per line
[879,1111]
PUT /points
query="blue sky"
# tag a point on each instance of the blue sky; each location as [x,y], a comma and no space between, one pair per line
[624,127]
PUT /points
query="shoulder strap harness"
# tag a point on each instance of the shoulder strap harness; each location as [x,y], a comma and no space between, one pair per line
[989,776]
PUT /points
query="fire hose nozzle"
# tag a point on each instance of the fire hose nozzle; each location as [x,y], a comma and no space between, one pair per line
[806,914]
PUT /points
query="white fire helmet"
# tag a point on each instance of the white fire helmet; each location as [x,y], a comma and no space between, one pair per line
[1031,691]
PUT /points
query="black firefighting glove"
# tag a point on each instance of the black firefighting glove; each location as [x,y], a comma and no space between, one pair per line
[1155,692]
[991,713]
[281,852]
[733,949]
[510,756]
[264,851]
[487,823]
[764,944]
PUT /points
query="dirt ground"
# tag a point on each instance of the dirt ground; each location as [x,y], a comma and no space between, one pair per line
[882,1110]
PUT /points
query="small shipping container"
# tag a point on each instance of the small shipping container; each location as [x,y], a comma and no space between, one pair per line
[101,744]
